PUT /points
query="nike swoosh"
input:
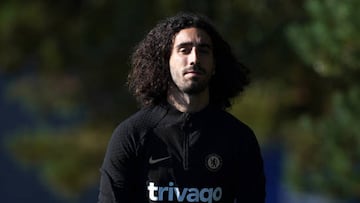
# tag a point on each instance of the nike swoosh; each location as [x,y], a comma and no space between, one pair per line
[154,161]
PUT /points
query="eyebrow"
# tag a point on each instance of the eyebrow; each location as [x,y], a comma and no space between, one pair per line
[203,45]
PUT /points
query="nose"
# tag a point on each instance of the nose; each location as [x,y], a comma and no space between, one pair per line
[193,56]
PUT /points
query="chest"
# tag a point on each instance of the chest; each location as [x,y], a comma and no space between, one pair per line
[190,155]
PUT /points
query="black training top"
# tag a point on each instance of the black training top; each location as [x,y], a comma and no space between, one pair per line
[162,155]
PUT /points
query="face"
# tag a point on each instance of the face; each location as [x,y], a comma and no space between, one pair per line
[192,61]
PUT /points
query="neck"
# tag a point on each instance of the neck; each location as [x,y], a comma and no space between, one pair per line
[188,103]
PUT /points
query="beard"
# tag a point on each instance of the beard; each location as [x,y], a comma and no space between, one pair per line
[195,86]
[192,85]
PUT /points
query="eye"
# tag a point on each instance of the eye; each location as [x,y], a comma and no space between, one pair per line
[204,50]
[184,50]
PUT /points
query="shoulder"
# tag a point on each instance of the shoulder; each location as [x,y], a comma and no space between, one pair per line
[142,120]
[241,132]
[236,126]
[230,120]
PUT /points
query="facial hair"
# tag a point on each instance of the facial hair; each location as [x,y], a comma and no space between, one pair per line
[197,85]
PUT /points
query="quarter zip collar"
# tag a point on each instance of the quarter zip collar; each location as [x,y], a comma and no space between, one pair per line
[199,117]
[189,127]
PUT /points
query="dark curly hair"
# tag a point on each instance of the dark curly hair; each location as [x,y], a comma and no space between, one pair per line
[150,77]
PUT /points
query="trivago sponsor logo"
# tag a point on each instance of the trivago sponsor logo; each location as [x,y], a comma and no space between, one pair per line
[171,193]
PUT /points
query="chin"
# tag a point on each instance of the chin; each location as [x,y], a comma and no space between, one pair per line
[195,89]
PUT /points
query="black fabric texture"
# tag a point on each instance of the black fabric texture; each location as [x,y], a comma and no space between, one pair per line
[162,155]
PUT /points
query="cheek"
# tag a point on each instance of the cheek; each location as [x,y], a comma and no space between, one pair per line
[174,73]
[211,66]
[175,65]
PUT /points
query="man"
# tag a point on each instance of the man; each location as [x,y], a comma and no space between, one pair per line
[182,146]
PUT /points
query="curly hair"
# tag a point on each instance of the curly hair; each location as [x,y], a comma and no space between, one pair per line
[150,77]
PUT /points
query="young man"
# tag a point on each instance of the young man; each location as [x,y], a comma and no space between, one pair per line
[182,146]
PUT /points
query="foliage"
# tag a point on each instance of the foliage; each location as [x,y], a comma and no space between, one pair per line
[324,147]
[325,151]
[68,60]
[330,42]
[67,63]
[67,160]
[314,108]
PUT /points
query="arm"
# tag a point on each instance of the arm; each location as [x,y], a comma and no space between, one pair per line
[253,176]
[116,170]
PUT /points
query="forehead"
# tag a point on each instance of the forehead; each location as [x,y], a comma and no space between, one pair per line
[192,35]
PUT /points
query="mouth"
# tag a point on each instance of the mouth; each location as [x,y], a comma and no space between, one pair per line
[195,72]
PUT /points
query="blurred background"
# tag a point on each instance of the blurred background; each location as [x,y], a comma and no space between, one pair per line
[63,66]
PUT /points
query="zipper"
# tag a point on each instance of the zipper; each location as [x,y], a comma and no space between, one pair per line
[185,130]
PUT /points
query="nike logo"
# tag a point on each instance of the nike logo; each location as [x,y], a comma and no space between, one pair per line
[154,161]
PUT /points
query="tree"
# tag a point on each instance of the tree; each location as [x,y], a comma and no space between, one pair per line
[72,58]
[328,41]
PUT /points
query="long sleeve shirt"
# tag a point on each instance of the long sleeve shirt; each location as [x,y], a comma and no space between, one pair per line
[162,155]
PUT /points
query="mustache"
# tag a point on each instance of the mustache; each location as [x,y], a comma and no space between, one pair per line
[195,68]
